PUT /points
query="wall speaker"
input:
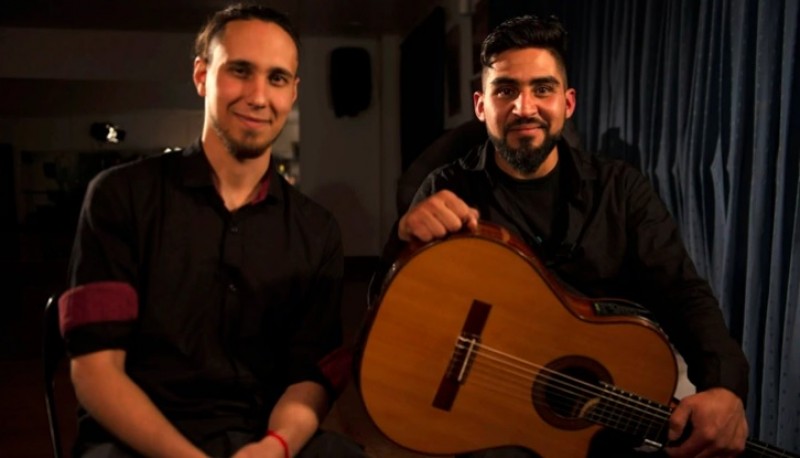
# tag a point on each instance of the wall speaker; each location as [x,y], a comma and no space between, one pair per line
[351,80]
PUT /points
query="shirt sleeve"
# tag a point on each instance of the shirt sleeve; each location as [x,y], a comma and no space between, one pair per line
[681,300]
[316,352]
[99,309]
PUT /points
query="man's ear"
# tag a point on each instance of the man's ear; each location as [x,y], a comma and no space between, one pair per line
[477,101]
[570,102]
[199,75]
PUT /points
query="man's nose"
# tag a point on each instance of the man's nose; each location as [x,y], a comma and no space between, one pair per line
[526,105]
[257,93]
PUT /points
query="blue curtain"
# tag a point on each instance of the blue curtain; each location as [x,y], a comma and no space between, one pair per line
[704,96]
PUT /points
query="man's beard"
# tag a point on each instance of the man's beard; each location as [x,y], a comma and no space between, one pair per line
[526,159]
[247,148]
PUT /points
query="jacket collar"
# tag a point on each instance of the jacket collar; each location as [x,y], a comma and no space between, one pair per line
[577,165]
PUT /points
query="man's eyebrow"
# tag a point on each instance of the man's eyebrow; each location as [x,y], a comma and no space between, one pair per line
[503,80]
[239,63]
[545,80]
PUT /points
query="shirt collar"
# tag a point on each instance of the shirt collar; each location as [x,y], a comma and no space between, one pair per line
[196,172]
[271,188]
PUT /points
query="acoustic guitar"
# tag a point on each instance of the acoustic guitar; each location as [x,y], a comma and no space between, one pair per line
[475,344]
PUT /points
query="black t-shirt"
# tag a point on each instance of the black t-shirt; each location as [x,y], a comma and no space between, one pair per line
[535,207]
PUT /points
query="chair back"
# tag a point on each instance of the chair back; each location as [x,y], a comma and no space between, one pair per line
[53,352]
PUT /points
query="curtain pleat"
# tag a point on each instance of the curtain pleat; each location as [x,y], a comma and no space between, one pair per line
[785,281]
[704,97]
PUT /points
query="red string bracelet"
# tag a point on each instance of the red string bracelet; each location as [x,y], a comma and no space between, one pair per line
[281,440]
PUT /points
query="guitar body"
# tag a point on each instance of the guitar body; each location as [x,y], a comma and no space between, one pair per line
[471,344]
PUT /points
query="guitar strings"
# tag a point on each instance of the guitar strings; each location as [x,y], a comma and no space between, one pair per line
[561,399]
[578,383]
[587,389]
[657,413]
[564,396]
[484,375]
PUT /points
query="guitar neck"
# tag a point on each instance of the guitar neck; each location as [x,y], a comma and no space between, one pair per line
[648,420]
[631,414]
[755,449]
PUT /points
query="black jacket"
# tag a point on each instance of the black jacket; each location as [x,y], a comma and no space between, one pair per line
[619,240]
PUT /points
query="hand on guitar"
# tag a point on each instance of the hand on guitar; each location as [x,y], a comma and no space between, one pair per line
[435,217]
[719,427]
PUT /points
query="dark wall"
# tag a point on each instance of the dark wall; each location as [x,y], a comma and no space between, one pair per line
[422,73]
[9,242]
[500,10]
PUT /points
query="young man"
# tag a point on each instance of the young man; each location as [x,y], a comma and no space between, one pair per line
[203,314]
[597,223]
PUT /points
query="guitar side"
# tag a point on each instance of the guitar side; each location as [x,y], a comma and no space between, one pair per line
[431,390]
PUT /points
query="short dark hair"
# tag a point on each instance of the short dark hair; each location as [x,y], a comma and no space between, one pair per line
[215,25]
[527,32]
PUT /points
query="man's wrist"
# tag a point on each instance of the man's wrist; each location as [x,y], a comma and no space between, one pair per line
[280,440]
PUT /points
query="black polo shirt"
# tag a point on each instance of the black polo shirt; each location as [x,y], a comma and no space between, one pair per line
[218,311]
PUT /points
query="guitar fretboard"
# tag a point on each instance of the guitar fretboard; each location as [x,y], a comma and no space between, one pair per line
[632,414]
[648,420]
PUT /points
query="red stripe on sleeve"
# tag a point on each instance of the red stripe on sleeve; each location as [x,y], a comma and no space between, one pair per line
[97,303]
[336,367]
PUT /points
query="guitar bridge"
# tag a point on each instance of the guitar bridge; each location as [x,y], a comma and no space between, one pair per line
[460,362]
[463,355]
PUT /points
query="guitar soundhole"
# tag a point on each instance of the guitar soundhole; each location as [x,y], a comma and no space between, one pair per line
[566,390]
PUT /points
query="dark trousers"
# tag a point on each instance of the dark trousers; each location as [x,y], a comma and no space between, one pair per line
[323,444]
[515,452]
[606,444]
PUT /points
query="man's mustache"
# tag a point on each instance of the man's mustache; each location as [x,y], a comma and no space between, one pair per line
[538,122]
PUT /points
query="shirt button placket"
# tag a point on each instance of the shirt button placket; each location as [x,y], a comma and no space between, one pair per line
[232,248]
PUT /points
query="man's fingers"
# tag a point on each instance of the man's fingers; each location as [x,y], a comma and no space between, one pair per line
[718,425]
[435,217]
[427,221]
[431,228]
[460,208]
[732,443]
[472,218]
[446,216]
[678,421]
